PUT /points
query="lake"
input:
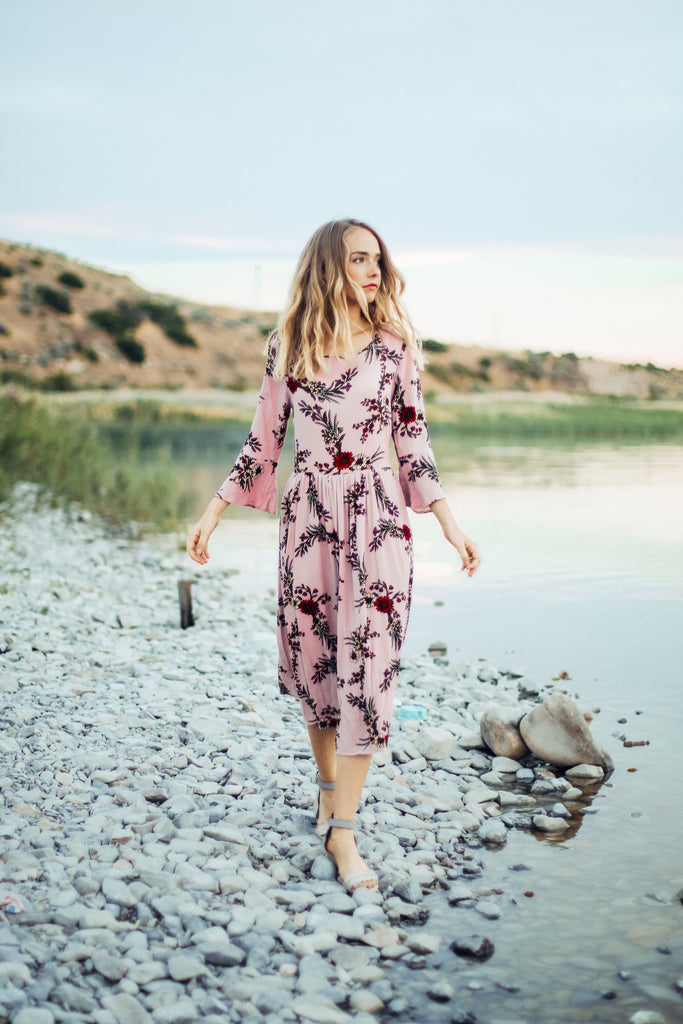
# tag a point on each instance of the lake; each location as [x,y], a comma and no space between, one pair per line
[582,573]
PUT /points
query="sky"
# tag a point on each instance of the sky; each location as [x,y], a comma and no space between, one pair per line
[522,159]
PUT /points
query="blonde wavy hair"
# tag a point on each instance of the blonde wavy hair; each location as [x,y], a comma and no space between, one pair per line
[317,311]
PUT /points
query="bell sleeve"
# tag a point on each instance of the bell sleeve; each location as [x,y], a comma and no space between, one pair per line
[253,479]
[417,467]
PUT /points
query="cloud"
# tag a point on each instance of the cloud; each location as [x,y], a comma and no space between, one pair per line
[67,224]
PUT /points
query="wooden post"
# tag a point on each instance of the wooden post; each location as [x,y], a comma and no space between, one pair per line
[185,599]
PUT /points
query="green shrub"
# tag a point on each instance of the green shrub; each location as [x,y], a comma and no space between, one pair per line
[129,347]
[18,377]
[130,313]
[5,270]
[70,280]
[467,371]
[59,382]
[534,365]
[172,322]
[86,351]
[56,300]
[485,362]
[429,345]
[125,317]
[36,261]
[441,373]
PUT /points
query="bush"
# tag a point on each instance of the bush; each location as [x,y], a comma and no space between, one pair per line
[130,313]
[441,373]
[86,351]
[36,261]
[5,270]
[70,280]
[18,377]
[429,345]
[56,300]
[534,367]
[172,323]
[130,348]
[125,317]
[466,371]
[59,382]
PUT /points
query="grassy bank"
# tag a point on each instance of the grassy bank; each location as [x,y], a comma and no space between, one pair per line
[597,419]
[124,458]
[72,455]
[205,416]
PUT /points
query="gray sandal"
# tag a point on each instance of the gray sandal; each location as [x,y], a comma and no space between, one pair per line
[354,879]
[321,830]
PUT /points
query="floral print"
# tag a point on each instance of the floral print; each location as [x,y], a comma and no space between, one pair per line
[345,560]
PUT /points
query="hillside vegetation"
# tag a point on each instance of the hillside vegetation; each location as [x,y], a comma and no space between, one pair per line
[68,326]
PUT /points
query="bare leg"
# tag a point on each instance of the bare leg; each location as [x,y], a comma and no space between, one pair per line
[322,745]
[351,775]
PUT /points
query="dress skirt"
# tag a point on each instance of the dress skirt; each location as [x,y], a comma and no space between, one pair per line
[345,547]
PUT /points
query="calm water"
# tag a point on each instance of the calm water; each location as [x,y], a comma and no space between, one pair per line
[582,573]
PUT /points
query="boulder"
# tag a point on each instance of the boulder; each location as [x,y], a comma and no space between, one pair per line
[546,823]
[585,773]
[500,731]
[475,947]
[493,831]
[435,744]
[557,732]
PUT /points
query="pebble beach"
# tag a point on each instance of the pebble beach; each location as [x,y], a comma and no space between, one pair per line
[158,859]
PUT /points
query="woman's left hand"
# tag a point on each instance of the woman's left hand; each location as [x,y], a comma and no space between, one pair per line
[465,547]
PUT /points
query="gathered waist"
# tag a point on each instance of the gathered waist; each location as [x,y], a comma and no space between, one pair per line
[341,469]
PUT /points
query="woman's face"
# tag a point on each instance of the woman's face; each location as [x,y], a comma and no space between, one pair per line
[363,264]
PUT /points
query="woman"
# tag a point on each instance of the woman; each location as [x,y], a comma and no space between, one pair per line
[344,363]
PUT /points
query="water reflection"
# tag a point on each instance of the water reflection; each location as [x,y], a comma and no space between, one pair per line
[582,572]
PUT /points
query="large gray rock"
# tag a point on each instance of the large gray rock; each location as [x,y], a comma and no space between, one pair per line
[546,823]
[434,743]
[126,1009]
[476,947]
[557,731]
[500,731]
[493,831]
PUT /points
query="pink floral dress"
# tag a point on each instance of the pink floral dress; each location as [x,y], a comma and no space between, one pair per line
[346,559]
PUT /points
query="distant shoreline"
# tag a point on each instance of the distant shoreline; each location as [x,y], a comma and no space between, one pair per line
[233,404]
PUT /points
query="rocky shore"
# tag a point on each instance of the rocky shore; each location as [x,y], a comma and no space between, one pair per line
[156,798]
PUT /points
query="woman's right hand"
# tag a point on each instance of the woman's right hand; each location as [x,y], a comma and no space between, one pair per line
[198,536]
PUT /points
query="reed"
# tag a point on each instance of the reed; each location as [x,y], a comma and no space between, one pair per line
[615,420]
[67,452]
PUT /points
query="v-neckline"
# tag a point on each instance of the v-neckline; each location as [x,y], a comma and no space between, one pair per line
[360,350]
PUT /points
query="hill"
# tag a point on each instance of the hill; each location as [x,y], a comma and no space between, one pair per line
[65,325]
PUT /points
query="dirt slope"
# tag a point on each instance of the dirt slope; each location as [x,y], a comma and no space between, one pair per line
[41,346]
